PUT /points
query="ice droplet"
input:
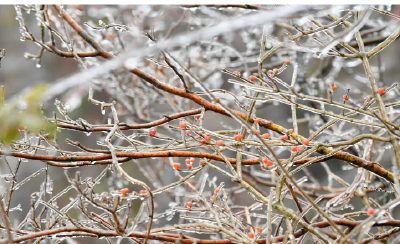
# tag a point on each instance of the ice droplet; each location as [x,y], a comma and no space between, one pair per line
[38,66]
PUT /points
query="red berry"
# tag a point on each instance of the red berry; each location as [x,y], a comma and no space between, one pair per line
[266,136]
[334,87]
[294,149]
[203,142]
[258,132]
[188,133]
[124,191]
[252,78]
[142,192]
[251,235]
[187,161]
[345,97]
[216,190]
[177,166]
[259,230]
[257,121]
[207,138]
[285,137]
[311,28]
[290,131]
[189,204]
[183,125]
[371,211]
[190,167]
[214,199]
[287,62]
[198,116]
[21,127]
[381,91]
[276,71]
[300,149]
[267,162]
[134,193]
[192,160]
[220,143]
[152,133]
[306,142]
[237,73]
[238,137]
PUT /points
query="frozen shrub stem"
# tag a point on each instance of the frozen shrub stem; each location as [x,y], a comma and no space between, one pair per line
[186,128]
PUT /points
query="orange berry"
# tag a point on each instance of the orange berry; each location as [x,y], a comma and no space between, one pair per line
[266,136]
[203,142]
[267,162]
[294,149]
[21,127]
[192,160]
[285,137]
[371,211]
[214,199]
[287,62]
[381,91]
[187,161]
[259,230]
[188,133]
[252,78]
[311,28]
[220,143]
[238,137]
[334,87]
[306,142]
[216,190]
[189,204]
[124,191]
[237,73]
[258,132]
[190,167]
[257,121]
[345,97]
[183,125]
[177,166]
[207,138]
[251,235]
[291,131]
[276,71]
[142,192]
[152,133]
[198,116]
[134,193]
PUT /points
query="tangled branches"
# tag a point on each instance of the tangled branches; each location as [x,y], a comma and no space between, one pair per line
[196,126]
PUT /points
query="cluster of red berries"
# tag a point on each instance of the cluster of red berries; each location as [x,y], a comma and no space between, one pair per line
[189,162]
